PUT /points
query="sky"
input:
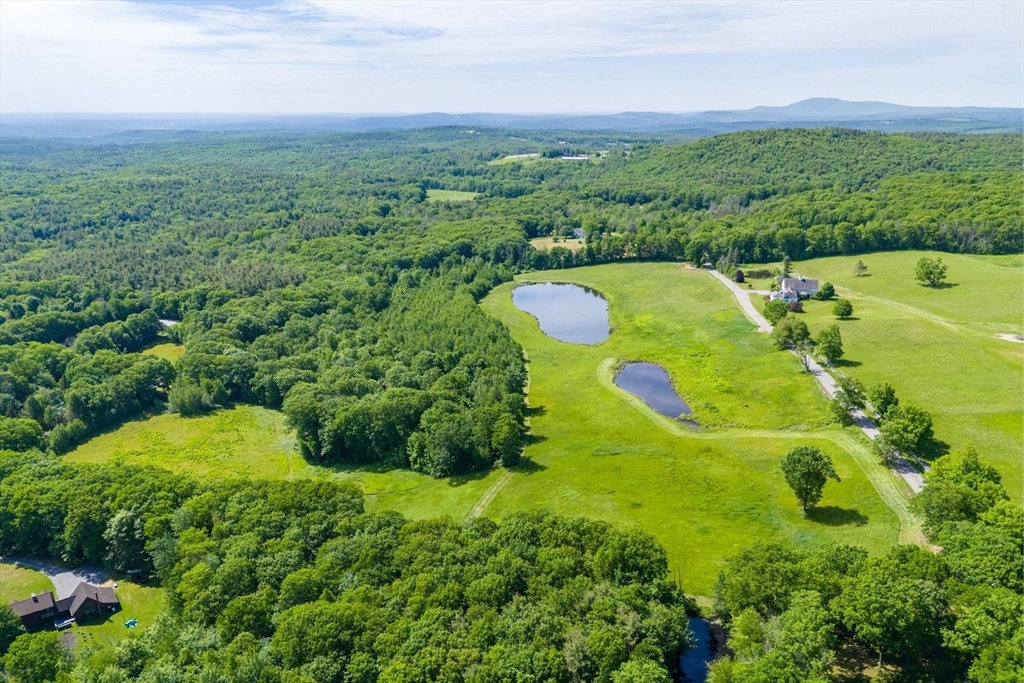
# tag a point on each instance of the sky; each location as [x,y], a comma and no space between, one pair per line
[323,56]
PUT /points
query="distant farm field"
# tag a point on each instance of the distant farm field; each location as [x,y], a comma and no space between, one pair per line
[546,243]
[170,352]
[939,347]
[595,452]
[450,196]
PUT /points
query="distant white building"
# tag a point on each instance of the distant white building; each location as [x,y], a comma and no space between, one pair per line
[793,289]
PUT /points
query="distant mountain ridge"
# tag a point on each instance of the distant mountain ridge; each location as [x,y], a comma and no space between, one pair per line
[814,112]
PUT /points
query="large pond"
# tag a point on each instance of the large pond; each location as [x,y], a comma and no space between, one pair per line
[694,664]
[568,313]
[651,383]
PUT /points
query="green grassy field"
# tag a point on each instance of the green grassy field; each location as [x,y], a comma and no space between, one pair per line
[244,441]
[597,452]
[18,583]
[450,196]
[253,442]
[167,351]
[938,347]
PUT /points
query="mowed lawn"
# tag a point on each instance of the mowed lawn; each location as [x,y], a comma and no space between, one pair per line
[939,347]
[703,495]
[19,583]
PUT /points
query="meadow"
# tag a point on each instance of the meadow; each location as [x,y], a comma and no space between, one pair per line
[939,347]
[253,442]
[596,451]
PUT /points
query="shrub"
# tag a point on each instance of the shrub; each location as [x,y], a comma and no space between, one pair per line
[826,292]
[795,307]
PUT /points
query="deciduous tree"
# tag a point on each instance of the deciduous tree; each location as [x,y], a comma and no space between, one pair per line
[807,469]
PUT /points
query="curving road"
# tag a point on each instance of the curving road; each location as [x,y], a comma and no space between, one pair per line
[900,464]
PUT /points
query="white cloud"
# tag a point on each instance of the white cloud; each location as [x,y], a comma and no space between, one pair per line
[319,55]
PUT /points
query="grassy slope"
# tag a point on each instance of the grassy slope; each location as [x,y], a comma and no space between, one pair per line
[703,495]
[938,347]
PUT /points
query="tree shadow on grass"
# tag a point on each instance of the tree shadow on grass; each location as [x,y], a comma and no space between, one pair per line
[528,466]
[830,515]
[935,448]
[536,411]
[463,479]
[941,285]
[843,363]
[849,319]
[529,439]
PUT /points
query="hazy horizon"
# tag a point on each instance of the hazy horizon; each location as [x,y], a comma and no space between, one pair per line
[318,57]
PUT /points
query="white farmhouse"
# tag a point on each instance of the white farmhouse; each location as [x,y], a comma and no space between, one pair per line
[793,289]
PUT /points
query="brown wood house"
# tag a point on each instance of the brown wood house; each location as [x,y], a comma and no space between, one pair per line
[85,602]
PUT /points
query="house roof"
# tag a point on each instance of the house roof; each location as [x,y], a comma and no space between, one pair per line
[85,591]
[800,284]
[37,603]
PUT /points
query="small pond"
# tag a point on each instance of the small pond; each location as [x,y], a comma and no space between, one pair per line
[694,663]
[568,313]
[651,383]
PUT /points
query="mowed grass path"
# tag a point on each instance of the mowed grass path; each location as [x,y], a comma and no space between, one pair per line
[938,347]
[703,495]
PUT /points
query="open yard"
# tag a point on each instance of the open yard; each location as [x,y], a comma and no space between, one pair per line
[18,583]
[139,602]
[595,452]
[939,347]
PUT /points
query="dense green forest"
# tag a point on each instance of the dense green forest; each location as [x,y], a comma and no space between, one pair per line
[292,581]
[311,274]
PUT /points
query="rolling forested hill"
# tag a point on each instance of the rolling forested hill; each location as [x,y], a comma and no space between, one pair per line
[328,277]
